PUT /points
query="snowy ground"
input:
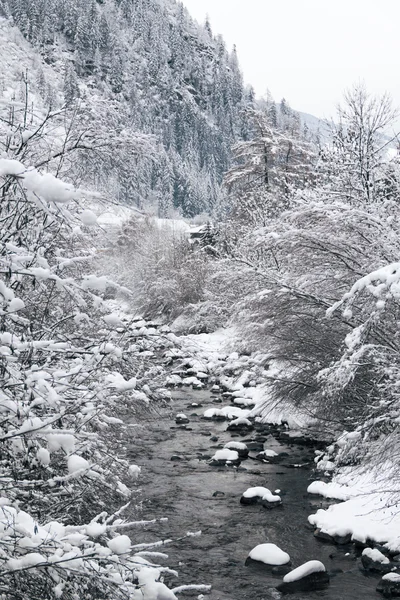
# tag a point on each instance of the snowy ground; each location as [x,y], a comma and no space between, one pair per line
[368,512]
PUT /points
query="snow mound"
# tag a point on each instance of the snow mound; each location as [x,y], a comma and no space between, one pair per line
[312,566]
[269,453]
[269,554]
[226,455]
[263,493]
[77,463]
[120,544]
[392,577]
[227,412]
[235,446]
[375,555]
[329,490]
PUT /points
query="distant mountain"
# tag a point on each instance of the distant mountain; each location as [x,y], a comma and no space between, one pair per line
[318,127]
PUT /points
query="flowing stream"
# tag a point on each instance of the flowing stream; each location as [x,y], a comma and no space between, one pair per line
[177,483]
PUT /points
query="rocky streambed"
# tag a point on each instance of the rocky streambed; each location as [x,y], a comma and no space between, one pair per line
[179,483]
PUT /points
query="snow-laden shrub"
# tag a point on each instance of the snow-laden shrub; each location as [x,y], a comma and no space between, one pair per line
[160,266]
[302,263]
[67,365]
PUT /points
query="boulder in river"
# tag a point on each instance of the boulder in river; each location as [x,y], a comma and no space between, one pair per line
[310,576]
[225,457]
[261,494]
[241,424]
[181,419]
[269,556]
[240,448]
[338,538]
[389,585]
[373,560]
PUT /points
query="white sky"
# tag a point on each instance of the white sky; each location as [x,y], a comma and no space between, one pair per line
[311,51]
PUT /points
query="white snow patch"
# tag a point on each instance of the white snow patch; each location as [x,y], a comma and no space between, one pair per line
[226,455]
[120,544]
[375,555]
[269,554]
[77,463]
[312,566]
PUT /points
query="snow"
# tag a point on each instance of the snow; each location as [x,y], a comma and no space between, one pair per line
[134,471]
[269,453]
[329,490]
[113,320]
[44,185]
[77,463]
[236,446]
[95,529]
[120,544]
[88,217]
[368,513]
[312,566]
[29,560]
[15,305]
[226,455]
[395,577]
[241,421]
[375,555]
[117,381]
[269,554]
[43,456]
[228,412]
[263,493]
[254,492]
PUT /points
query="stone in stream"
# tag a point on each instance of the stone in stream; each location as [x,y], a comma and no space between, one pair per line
[333,539]
[240,448]
[310,576]
[373,560]
[181,419]
[255,446]
[225,457]
[269,557]
[262,495]
[241,424]
[389,585]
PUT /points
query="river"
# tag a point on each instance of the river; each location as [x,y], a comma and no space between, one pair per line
[184,490]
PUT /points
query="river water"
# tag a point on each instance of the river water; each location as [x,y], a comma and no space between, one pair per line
[184,491]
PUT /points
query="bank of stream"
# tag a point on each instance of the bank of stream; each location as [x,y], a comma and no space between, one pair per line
[178,483]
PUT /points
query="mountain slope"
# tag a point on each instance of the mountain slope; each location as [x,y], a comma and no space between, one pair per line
[147,66]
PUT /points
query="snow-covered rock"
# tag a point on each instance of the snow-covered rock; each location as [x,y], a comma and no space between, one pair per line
[255,494]
[269,554]
[240,448]
[225,456]
[227,412]
[311,575]
[389,585]
[373,559]
[240,424]
[181,419]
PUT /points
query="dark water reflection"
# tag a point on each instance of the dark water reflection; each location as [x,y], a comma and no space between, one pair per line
[182,490]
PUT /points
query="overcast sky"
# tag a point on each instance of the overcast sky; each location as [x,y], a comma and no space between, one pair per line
[310,51]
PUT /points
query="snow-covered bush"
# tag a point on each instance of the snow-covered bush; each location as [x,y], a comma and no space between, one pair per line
[67,365]
[159,264]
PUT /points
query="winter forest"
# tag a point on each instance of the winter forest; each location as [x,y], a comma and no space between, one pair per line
[199,332]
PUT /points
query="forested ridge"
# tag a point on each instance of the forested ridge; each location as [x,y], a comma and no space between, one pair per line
[146,67]
[131,103]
